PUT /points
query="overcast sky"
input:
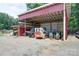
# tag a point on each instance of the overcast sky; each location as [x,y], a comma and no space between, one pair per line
[13,9]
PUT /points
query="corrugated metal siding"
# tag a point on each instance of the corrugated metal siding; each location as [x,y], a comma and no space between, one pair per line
[47,25]
[55,25]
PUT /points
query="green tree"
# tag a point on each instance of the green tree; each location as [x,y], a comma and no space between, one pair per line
[1,26]
[73,24]
[33,5]
[7,21]
[74,19]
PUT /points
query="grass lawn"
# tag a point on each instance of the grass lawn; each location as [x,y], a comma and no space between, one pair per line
[1,33]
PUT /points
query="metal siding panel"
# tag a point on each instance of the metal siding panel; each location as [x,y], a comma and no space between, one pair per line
[54,25]
[47,25]
[57,25]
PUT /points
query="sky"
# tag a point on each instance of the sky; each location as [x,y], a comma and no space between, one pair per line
[13,9]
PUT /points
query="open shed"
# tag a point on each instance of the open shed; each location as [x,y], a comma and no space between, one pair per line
[49,16]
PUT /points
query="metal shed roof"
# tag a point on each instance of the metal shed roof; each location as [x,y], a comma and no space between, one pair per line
[43,10]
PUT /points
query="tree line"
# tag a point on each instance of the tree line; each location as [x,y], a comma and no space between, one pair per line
[73,23]
[6,21]
[33,5]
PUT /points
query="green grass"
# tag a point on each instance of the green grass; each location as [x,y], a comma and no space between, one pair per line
[1,34]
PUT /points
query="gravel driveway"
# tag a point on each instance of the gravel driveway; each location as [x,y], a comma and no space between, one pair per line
[25,46]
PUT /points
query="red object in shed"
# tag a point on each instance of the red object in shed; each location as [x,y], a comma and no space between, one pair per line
[22,30]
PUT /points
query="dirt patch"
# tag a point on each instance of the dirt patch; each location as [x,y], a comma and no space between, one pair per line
[25,46]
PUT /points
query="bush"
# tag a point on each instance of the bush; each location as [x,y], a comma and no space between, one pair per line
[73,24]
